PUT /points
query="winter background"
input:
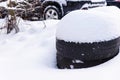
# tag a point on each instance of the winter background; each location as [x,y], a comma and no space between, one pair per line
[31,55]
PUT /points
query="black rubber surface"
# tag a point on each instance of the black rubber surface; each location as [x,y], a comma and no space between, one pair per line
[89,53]
[67,63]
[113,3]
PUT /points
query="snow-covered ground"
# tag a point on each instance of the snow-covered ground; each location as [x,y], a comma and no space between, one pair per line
[31,55]
[4,4]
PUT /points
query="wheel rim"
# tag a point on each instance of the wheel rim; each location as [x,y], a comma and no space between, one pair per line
[51,14]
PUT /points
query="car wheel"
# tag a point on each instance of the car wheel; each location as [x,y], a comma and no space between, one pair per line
[52,12]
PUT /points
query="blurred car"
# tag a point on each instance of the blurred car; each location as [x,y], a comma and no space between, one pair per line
[56,9]
[52,9]
[113,3]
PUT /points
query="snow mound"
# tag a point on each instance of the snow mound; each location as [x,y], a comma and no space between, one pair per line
[2,21]
[31,55]
[93,25]
[3,4]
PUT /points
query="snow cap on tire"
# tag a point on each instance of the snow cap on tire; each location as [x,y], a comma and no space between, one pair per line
[93,25]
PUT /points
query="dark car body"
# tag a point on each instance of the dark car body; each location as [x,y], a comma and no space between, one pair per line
[113,3]
[65,6]
[56,9]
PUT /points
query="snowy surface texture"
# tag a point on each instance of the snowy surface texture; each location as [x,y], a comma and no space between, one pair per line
[31,55]
[93,25]
[3,4]
[2,23]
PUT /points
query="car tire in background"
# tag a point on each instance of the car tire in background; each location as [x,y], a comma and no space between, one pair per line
[52,12]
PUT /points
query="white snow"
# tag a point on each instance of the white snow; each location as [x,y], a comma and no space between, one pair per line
[93,25]
[2,22]
[3,4]
[31,55]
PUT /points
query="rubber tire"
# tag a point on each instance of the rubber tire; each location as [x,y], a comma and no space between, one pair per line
[54,8]
[65,63]
[90,53]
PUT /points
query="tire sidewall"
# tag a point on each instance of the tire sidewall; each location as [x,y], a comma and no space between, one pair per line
[51,7]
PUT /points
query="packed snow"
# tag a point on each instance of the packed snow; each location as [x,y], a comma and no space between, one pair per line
[2,22]
[3,4]
[93,25]
[31,55]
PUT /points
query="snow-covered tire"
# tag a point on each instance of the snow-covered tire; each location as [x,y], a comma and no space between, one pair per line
[52,12]
[81,55]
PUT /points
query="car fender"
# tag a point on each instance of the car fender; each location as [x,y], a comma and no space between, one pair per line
[59,2]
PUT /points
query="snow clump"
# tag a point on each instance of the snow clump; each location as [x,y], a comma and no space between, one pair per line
[93,25]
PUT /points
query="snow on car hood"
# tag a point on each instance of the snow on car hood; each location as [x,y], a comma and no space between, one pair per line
[94,25]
